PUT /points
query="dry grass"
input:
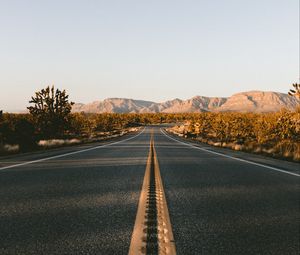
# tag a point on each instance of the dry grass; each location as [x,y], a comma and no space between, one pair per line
[9,148]
[57,142]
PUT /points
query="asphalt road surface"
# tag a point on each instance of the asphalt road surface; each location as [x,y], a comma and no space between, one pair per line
[84,200]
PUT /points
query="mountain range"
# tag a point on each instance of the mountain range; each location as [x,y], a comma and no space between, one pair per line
[252,101]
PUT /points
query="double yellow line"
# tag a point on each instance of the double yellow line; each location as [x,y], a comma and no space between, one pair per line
[152,230]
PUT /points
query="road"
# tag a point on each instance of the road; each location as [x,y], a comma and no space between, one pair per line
[84,200]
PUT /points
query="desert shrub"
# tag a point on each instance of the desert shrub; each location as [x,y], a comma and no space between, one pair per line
[19,130]
[51,112]
[273,133]
[25,134]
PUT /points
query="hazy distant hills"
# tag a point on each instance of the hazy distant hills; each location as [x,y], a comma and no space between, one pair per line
[252,101]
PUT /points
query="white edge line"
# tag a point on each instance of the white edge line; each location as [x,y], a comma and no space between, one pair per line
[69,153]
[227,156]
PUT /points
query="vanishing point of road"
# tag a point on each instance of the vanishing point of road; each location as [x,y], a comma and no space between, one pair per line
[148,193]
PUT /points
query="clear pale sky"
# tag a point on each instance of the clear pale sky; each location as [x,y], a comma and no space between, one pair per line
[152,50]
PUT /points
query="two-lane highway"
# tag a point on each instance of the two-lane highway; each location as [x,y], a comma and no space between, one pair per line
[86,201]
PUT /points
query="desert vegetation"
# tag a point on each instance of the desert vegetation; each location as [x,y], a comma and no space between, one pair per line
[51,123]
[295,92]
[275,134]
[25,132]
[50,112]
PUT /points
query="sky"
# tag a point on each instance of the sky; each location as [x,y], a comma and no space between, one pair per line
[152,50]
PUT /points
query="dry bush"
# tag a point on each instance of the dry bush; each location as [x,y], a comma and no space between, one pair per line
[276,134]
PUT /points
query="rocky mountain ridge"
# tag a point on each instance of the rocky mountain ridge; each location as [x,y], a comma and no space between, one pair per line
[252,101]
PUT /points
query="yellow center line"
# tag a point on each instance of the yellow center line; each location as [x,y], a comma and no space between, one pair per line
[152,232]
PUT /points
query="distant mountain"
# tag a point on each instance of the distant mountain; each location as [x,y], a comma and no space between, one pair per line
[252,101]
[116,105]
[258,101]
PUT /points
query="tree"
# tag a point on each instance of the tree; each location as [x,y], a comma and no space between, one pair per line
[296,91]
[51,112]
